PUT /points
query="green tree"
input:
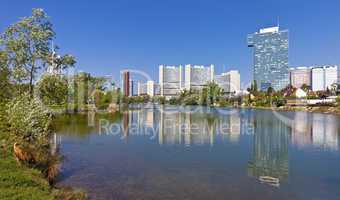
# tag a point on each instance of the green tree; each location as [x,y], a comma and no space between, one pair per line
[53,89]
[270,91]
[305,87]
[27,43]
[214,92]
[5,84]
[255,86]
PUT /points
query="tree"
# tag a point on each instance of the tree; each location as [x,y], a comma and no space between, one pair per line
[255,86]
[270,91]
[305,87]
[214,91]
[5,84]
[53,89]
[27,43]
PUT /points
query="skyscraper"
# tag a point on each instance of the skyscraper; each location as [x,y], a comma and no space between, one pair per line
[197,76]
[170,80]
[125,79]
[270,57]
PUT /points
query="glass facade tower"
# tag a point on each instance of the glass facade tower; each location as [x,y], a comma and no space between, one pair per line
[270,57]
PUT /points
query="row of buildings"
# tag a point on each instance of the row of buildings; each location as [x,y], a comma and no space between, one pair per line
[317,78]
[271,66]
[271,69]
[174,79]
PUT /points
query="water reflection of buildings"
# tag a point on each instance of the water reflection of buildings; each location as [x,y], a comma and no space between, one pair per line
[188,127]
[230,126]
[315,129]
[270,151]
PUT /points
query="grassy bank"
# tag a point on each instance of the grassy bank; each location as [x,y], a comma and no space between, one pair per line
[20,182]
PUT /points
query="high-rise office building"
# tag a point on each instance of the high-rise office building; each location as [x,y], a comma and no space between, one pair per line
[197,76]
[270,57]
[229,82]
[125,82]
[170,80]
[300,76]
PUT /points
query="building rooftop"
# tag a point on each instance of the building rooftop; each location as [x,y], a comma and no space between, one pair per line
[274,29]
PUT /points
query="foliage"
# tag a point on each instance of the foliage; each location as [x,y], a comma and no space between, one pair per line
[136,99]
[53,89]
[27,44]
[159,99]
[305,87]
[27,48]
[5,85]
[102,99]
[174,101]
[28,119]
[83,87]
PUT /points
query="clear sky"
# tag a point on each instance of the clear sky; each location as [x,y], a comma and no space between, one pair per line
[107,36]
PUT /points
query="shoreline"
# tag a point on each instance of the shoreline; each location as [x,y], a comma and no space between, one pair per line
[310,109]
[314,109]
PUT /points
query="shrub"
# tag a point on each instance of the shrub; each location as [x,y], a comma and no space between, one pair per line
[28,119]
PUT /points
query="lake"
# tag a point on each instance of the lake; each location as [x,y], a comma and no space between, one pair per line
[167,152]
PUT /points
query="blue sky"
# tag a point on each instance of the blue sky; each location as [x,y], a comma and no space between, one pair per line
[107,36]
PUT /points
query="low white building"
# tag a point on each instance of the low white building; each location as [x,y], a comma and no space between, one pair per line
[230,82]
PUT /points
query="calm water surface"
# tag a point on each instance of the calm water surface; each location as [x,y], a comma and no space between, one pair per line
[201,153]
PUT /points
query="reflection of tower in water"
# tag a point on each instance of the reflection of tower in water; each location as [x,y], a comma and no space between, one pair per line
[170,127]
[301,129]
[325,131]
[126,123]
[270,151]
[229,126]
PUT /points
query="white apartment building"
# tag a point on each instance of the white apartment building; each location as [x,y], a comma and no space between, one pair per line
[197,76]
[170,80]
[331,76]
[324,77]
[230,82]
[147,88]
[234,80]
[150,88]
[300,76]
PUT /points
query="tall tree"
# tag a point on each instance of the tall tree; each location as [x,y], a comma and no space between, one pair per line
[5,84]
[27,43]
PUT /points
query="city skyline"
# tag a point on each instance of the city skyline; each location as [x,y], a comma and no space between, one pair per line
[146,36]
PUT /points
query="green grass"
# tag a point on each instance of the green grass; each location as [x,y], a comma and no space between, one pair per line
[20,182]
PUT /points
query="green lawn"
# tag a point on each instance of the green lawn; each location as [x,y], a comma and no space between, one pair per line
[20,182]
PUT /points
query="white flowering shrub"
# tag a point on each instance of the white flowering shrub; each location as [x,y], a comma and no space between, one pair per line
[28,119]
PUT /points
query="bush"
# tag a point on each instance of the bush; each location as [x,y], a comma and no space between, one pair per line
[28,119]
